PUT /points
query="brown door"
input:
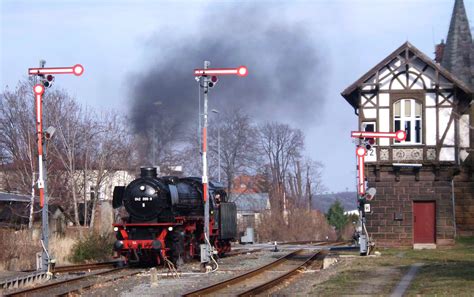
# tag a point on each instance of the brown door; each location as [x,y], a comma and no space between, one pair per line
[424,220]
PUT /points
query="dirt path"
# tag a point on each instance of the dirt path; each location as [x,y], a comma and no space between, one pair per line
[377,281]
[349,276]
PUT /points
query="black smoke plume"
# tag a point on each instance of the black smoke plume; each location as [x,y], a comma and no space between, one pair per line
[285,81]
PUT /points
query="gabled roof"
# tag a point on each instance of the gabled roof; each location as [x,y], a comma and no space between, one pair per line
[11,197]
[351,92]
[256,202]
[458,56]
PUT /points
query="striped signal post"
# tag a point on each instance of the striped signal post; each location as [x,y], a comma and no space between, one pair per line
[360,152]
[205,77]
[38,90]
[399,135]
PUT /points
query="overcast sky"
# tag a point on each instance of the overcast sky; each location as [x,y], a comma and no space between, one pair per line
[116,41]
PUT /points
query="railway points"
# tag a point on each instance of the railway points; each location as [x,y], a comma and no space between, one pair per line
[260,279]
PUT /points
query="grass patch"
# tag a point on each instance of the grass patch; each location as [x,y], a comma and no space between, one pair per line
[94,247]
[469,241]
[446,271]
[342,283]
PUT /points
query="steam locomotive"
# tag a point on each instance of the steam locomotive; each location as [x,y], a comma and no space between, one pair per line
[165,219]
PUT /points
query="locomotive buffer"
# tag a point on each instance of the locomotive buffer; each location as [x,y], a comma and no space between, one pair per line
[207,78]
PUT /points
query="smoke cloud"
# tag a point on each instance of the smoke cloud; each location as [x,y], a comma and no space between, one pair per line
[285,81]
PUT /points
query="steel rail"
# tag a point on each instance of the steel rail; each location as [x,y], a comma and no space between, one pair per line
[51,286]
[240,278]
[315,242]
[82,267]
[240,252]
[268,285]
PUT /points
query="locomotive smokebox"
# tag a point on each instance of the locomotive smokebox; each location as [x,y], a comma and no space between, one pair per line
[148,172]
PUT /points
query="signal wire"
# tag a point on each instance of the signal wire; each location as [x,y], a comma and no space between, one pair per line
[212,258]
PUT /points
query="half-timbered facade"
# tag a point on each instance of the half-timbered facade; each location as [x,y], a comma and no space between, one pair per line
[414,179]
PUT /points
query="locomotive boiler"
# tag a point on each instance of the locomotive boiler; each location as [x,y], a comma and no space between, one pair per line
[165,218]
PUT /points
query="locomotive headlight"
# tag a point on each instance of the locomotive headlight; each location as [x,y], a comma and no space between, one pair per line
[142,188]
[170,228]
[115,229]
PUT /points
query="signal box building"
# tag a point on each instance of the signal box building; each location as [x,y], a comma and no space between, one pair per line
[425,185]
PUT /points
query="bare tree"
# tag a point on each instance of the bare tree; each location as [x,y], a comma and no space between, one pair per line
[17,137]
[17,141]
[111,151]
[67,116]
[304,181]
[281,144]
[86,149]
[238,145]
[190,155]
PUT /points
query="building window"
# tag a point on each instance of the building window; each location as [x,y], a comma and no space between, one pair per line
[369,127]
[407,116]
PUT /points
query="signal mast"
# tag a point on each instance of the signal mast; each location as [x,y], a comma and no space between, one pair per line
[46,81]
[207,78]
[363,195]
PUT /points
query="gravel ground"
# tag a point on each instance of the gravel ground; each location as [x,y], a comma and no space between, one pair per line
[191,278]
[302,284]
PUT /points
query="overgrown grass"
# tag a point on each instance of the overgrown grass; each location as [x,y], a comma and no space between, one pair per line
[94,247]
[18,249]
[60,248]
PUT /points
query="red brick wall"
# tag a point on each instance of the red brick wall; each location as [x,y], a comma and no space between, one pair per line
[464,195]
[395,198]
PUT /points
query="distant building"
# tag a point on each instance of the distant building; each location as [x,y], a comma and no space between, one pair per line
[15,211]
[247,184]
[250,208]
[107,185]
[425,185]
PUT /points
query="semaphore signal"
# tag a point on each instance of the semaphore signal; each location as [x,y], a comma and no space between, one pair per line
[76,70]
[240,71]
[361,151]
[399,135]
[207,78]
[46,79]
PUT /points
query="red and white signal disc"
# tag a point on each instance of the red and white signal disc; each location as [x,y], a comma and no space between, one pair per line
[38,89]
[242,71]
[361,151]
[400,135]
[78,69]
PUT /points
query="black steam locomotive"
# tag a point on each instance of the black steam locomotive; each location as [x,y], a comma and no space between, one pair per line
[165,218]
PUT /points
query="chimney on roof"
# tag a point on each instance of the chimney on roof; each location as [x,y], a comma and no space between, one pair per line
[439,50]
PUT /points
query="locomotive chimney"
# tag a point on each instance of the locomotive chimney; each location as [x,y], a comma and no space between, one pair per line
[148,172]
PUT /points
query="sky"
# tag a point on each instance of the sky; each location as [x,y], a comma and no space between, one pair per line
[120,42]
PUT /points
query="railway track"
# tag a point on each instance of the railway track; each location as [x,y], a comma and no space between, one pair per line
[316,243]
[262,278]
[84,267]
[242,252]
[75,284]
